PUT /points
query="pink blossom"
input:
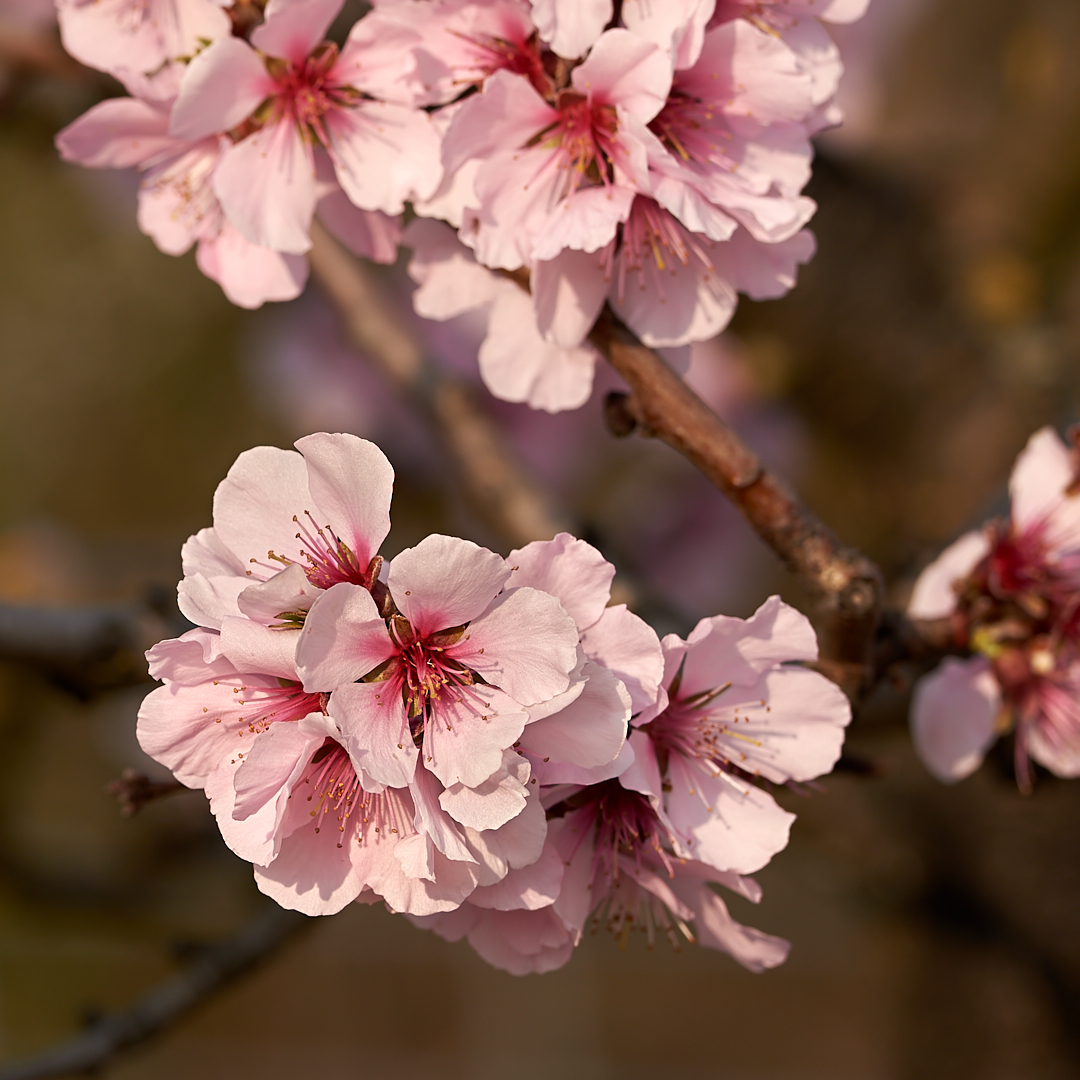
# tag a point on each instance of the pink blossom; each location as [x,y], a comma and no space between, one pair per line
[293,94]
[1013,593]
[671,286]
[232,718]
[460,43]
[287,525]
[446,681]
[177,206]
[516,363]
[734,710]
[620,867]
[138,36]
[561,175]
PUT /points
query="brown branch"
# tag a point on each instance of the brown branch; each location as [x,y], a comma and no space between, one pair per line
[86,650]
[133,790]
[216,968]
[492,478]
[845,585]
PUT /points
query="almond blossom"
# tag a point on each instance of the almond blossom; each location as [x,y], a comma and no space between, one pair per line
[1012,591]
[735,709]
[284,94]
[621,867]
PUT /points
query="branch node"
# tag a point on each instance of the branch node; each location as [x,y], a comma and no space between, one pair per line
[618,414]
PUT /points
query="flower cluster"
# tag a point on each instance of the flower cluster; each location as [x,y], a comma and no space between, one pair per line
[649,156]
[1012,591]
[482,743]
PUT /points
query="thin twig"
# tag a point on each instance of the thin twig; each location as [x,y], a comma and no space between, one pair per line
[216,967]
[846,586]
[492,478]
[133,790]
[86,650]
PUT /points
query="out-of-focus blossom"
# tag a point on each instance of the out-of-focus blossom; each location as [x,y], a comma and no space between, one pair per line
[138,37]
[1013,594]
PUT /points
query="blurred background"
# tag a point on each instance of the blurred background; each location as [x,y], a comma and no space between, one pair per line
[935,930]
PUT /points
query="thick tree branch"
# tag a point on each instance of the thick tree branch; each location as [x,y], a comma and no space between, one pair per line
[493,480]
[216,968]
[845,585]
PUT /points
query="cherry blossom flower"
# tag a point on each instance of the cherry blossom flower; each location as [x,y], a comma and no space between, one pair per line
[445,681]
[287,525]
[138,36]
[620,865]
[232,718]
[735,710]
[288,92]
[1012,591]
[560,175]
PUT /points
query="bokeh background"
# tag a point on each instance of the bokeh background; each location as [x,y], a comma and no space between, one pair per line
[935,930]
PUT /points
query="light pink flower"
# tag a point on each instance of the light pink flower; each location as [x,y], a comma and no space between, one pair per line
[138,36]
[516,363]
[444,683]
[460,43]
[735,710]
[671,286]
[561,175]
[294,93]
[287,525]
[620,866]
[233,719]
[177,206]
[1012,591]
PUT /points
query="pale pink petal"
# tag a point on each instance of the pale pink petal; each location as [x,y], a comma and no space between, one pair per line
[192,658]
[953,713]
[1043,472]
[434,822]
[352,483]
[586,220]
[571,27]
[465,740]
[250,275]
[450,280]
[934,596]
[444,581]
[626,70]
[522,942]
[723,820]
[370,234]
[716,929]
[531,888]
[571,570]
[561,772]
[343,639]
[517,364]
[590,731]
[628,646]
[213,579]
[289,591]
[384,154]
[568,293]
[293,28]
[525,643]
[790,726]
[373,728]
[266,186]
[678,26]
[116,134]
[255,648]
[763,271]
[724,649]
[222,87]
[490,804]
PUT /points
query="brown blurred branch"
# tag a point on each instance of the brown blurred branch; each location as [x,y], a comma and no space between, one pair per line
[846,586]
[493,480]
[133,790]
[86,650]
[38,51]
[216,968]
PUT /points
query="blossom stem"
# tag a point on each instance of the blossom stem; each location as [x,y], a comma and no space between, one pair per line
[846,585]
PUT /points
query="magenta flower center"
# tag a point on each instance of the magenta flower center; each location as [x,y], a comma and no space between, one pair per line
[266,705]
[585,137]
[327,559]
[687,127]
